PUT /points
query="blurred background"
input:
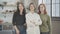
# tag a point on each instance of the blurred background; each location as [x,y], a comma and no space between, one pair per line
[8,7]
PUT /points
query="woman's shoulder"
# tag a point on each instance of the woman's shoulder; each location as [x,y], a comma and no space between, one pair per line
[37,14]
[15,13]
[47,16]
[27,14]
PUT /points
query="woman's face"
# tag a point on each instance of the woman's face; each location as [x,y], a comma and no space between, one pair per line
[42,8]
[32,7]
[21,7]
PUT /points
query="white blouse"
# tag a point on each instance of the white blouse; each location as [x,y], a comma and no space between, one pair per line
[33,21]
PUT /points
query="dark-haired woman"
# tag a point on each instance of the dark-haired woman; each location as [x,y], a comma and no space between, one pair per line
[19,19]
[46,24]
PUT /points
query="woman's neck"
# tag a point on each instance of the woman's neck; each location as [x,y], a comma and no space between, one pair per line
[42,12]
[21,12]
[32,11]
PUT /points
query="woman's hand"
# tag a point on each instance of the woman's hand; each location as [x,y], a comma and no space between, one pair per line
[25,24]
[32,21]
[17,32]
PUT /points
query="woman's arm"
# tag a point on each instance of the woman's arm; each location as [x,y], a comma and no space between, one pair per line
[38,20]
[25,21]
[49,25]
[28,21]
[14,23]
[17,31]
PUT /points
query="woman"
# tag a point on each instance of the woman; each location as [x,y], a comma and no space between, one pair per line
[19,19]
[33,21]
[46,26]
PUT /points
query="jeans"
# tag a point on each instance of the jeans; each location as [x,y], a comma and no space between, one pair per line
[22,29]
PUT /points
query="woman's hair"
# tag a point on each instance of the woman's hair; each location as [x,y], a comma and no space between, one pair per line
[31,4]
[39,12]
[18,11]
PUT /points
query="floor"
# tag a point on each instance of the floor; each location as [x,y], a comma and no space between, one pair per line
[55,27]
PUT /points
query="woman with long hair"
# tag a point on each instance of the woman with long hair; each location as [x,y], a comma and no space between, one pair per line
[33,21]
[45,28]
[19,19]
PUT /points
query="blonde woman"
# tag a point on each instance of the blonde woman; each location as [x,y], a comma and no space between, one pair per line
[33,21]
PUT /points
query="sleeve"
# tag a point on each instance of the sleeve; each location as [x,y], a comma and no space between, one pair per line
[27,20]
[38,20]
[49,25]
[14,19]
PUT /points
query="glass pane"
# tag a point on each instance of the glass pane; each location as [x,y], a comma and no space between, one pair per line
[57,10]
[39,2]
[53,10]
[57,1]
[53,1]
[46,1]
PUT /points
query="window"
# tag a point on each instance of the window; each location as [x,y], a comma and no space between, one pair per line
[54,5]
[55,8]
